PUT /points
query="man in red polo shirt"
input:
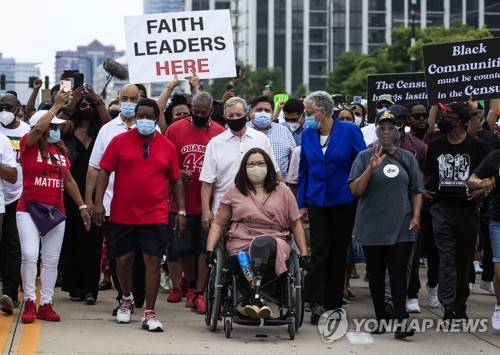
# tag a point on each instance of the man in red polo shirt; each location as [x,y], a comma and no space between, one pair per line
[144,162]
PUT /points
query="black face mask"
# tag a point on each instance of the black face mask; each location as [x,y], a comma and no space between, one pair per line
[237,124]
[200,121]
[88,114]
[444,126]
[114,113]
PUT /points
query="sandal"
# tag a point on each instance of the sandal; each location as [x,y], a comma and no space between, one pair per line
[105,285]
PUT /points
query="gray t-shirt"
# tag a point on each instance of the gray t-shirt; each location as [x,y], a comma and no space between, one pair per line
[384,210]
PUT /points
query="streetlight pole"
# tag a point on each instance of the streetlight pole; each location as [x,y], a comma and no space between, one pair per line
[413,61]
[91,64]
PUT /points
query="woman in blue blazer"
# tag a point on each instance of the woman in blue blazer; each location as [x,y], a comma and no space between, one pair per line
[329,147]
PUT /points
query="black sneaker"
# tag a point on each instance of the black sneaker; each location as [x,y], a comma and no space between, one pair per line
[316,311]
[378,328]
[404,331]
[461,316]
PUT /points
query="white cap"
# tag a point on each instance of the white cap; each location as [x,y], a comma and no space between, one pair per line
[39,114]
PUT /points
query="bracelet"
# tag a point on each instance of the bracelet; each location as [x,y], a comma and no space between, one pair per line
[100,102]
[82,207]
[52,113]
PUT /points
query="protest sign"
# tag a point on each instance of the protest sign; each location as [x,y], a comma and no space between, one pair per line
[455,71]
[160,46]
[404,88]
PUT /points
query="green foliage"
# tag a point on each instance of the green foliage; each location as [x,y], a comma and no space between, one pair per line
[349,77]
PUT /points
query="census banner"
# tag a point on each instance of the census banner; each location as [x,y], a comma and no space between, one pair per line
[404,88]
[455,71]
[160,46]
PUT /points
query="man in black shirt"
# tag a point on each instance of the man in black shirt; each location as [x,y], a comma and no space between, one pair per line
[450,161]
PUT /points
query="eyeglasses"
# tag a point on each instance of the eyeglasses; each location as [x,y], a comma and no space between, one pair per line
[418,116]
[384,105]
[252,164]
[6,107]
[386,128]
[309,114]
[145,148]
[84,105]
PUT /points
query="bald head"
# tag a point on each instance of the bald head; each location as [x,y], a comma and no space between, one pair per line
[129,93]
[9,99]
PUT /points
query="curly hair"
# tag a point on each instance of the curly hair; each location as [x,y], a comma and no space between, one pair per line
[176,100]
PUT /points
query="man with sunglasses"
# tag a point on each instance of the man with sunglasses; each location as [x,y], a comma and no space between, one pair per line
[450,161]
[145,164]
[293,113]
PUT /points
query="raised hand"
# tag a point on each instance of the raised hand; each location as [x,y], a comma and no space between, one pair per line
[377,158]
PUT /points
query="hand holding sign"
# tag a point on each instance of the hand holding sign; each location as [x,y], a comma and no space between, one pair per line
[194,82]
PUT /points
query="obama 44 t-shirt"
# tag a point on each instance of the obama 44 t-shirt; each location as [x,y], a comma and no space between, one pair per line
[449,166]
[142,172]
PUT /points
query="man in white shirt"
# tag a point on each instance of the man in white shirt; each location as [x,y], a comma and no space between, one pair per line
[223,156]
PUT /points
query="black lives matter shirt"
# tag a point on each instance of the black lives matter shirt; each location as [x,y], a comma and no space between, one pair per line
[449,166]
[489,167]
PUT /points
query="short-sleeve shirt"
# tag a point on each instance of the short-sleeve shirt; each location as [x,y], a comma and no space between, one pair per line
[141,185]
[43,176]
[223,157]
[489,167]
[415,146]
[384,210]
[293,170]
[190,143]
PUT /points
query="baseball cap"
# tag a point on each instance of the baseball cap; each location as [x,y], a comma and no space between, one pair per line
[386,115]
[45,105]
[399,111]
[459,108]
[39,114]
[386,97]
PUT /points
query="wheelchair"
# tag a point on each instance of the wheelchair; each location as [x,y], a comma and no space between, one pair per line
[226,290]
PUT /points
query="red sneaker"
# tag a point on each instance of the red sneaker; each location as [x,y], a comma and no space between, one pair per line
[29,313]
[175,295]
[46,312]
[199,304]
[183,284]
[191,293]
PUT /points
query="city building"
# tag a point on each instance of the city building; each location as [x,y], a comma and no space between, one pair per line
[17,76]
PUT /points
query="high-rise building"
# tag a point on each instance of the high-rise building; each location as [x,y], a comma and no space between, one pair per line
[162,6]
[17,76]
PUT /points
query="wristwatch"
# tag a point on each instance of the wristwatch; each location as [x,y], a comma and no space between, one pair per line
[68,111]
[99,102]
[182,213]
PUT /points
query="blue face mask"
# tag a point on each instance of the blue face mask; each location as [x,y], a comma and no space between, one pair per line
[127,109]
[145,126]
[262,119]
[54,136]
[312,123]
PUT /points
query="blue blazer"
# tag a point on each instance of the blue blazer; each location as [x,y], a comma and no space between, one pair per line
[323,177]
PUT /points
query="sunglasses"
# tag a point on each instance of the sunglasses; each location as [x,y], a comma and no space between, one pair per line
[6,108]
[84,105]
[145,148]
[418,116]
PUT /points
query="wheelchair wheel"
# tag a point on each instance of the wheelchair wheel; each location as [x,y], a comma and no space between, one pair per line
[296,291]
[291,330]
[227,328]
[213,293]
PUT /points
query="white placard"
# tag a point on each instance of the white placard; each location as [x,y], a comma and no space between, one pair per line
[160,46]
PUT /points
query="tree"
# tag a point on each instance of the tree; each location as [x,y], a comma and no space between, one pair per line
[349,77]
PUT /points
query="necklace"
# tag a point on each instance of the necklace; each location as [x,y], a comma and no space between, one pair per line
[328,138]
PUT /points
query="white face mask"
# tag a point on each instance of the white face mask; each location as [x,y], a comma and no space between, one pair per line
[382,109]
[357,120]
[294,126]
[257,173]
[6,117]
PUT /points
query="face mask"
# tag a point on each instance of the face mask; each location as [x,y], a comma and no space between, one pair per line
[6,117]
[145,126]
[312,123]
[114,113]
[381,109]
[237,124]
[257,173]
[444,126]
[54,136]
[294,126]
[262,119]
[127,109]
[200,121]
[88,114]
[357,120]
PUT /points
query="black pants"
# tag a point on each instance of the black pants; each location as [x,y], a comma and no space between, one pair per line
[331,233]
[487,262]
[10,248]
[414,265]
[430,248]
[394,258]
[455,231]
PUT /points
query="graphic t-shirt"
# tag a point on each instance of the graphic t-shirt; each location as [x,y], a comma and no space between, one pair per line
[449,166]
[12,192]
[190,143]
[43,176]
[142,172]
[489,167]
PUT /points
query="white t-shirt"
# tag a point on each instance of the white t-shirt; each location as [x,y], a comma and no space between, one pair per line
[12,192]
[293,170]
[8,158]
[223,157]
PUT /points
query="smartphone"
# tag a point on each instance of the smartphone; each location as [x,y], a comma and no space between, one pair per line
[229,87]
[70,73]
[78,80]
[65,85]
[357,99]
[238,68]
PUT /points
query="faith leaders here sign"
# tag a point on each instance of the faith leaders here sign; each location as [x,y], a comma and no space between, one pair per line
[160,46]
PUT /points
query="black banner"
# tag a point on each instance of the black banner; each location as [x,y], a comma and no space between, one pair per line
[404,88]
[455,71]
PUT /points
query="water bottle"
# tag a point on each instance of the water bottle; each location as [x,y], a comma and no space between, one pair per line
[246,265]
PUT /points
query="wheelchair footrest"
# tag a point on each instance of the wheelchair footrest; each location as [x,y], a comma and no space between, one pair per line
[244,320]
[278,321]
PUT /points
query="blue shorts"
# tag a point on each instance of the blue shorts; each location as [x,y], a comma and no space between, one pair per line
[194,239]
[495,240]
[150,239]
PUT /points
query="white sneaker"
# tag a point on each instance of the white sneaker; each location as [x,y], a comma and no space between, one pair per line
[495,319]
[412,305]
[432,297]
[123,313]
[165,282]
[487,286]
[471,287]
[151,324]
[477,267]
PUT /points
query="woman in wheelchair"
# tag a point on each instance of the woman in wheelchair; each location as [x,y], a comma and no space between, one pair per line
[263,212]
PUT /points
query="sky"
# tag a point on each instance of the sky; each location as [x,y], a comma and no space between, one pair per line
[33,30]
